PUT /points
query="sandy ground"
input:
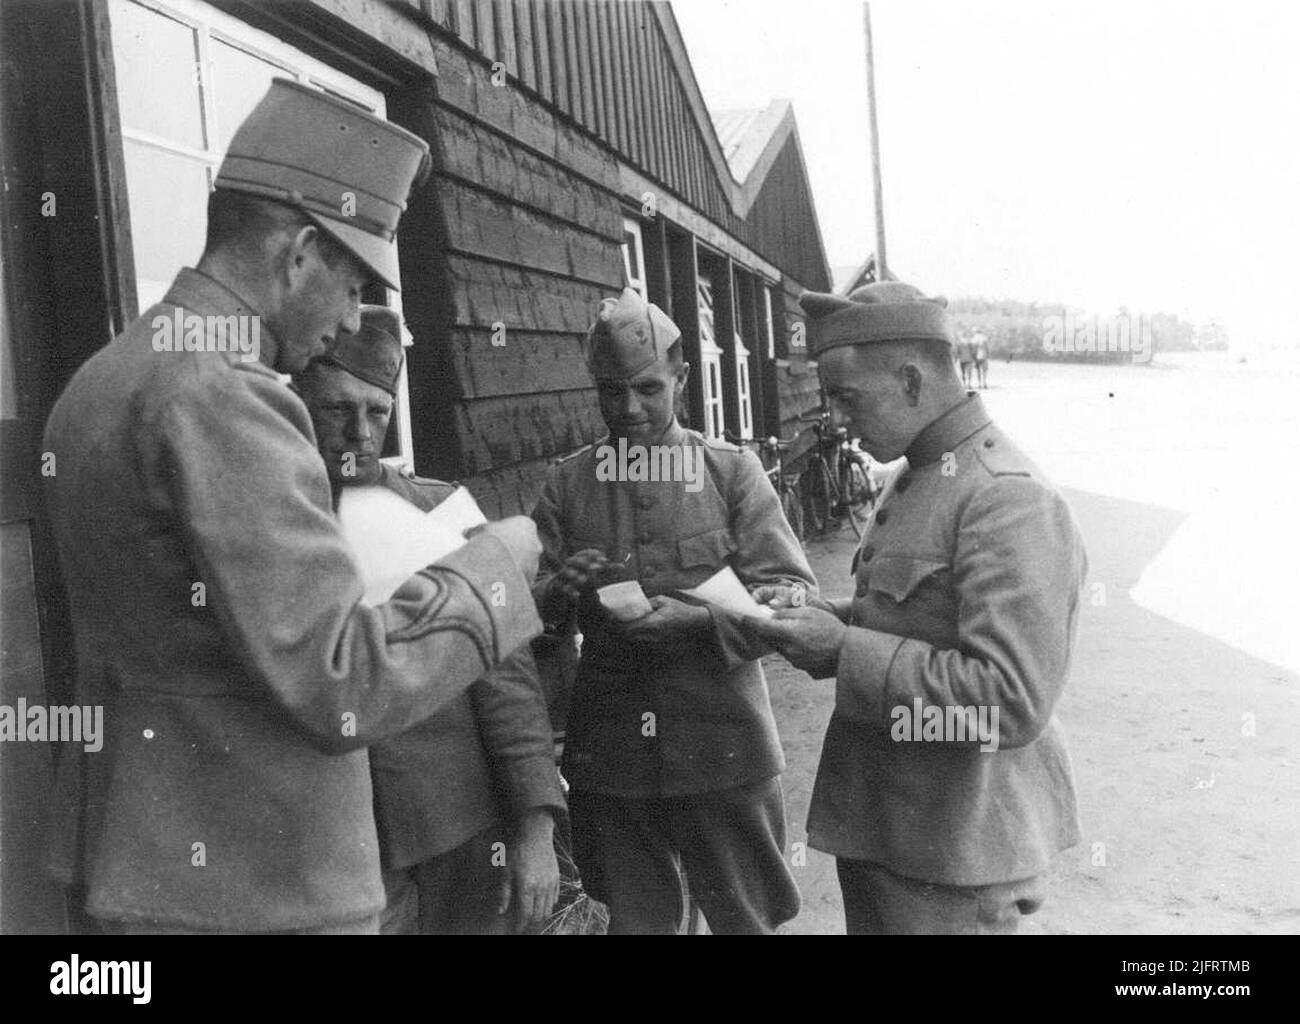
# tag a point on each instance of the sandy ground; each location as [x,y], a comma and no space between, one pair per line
[1183,705]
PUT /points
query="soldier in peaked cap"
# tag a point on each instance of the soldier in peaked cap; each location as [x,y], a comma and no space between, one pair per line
[671,748]
[479,772]
[217,607]
[944,786]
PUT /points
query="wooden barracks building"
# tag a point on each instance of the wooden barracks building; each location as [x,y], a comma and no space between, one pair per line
[573,155]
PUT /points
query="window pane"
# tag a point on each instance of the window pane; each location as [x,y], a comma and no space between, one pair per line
[633,253]
[169,212]
[239,80]
[156,61]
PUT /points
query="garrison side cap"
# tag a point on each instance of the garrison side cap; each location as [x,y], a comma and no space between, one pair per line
[629,336]
[347,170]
[884,311]
[374,353]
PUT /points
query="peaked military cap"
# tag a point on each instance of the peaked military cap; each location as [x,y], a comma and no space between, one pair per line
[884,311]
[629,335]
[347,170]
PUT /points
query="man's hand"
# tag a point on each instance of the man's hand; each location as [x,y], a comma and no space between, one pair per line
[531,881]
[789,595]
[809,638]
[670,618]
[580,572]
[519,535]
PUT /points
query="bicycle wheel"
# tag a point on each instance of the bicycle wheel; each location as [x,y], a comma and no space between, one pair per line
[792,506]
[856,489]
[819,497]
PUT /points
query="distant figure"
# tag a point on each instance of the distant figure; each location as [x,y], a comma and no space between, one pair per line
[965,356]
[981,345]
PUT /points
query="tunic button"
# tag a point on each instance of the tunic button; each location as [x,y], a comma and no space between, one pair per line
[867,552]
[882,517]
[988,442]
[645,537]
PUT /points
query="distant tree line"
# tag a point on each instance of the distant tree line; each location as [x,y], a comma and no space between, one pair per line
[1054,332]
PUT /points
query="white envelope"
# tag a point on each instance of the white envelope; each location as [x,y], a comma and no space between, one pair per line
[460,512]
[625,601]
[724,590]
[393,540]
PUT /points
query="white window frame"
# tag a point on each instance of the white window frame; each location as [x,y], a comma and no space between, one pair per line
[710,361]
[767,318]
[635,275]
[209,23]
[742,384]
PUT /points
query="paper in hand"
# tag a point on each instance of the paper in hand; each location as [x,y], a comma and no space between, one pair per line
[724,590]
[393,540]
[625,601]
[459,512]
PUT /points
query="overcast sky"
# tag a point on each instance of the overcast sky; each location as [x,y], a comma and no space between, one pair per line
[1139,153]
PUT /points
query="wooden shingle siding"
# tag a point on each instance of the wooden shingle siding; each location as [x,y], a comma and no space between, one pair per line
[541,31]
[528,361]
[497,229]
[501,433]
[485,33]
[613,68]
[507,45]
[463,18]
[489,293]
[530,202]
[559,51]
[528,225]
[521,27]
[440,12]
[483,158]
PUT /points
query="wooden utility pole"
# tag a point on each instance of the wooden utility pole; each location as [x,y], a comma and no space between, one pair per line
[876,187]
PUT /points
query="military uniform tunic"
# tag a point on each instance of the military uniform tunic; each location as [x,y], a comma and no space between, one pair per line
[967,595]
[484,759]
[235,715]
[712,726]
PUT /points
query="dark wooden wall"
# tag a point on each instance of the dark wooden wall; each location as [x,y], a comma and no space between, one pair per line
[510,248]
[535,103]
[609,66]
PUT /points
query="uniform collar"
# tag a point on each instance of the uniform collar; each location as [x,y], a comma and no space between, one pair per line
[202,293]
[949,430]
[674,434]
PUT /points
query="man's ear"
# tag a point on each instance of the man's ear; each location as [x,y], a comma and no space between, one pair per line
[911,376]
[302,248]
[683,374]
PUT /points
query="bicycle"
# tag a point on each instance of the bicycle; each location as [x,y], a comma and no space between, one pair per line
[836,483]
[785,484]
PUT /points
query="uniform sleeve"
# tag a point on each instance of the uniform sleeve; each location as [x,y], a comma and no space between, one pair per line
[550,530]
[511,714]
[767,552]
[236,458]
[1017,571]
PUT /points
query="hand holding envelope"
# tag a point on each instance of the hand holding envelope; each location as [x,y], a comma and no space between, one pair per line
[392,539]
[724,590]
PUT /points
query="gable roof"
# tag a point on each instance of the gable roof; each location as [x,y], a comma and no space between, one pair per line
[620,71]
[850,278]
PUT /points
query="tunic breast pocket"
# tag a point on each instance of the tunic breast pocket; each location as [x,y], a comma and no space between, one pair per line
[916,592]
[702,554]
